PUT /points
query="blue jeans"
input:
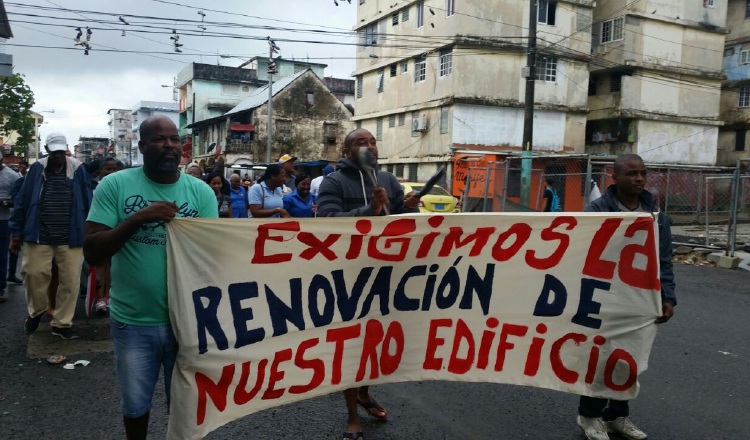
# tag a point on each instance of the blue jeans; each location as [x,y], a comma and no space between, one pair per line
[140,352]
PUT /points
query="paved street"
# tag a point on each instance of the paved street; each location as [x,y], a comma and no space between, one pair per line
[697,386]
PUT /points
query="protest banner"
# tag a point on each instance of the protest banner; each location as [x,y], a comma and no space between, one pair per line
[268,312]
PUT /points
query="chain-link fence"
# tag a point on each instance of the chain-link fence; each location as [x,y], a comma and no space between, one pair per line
[697,199]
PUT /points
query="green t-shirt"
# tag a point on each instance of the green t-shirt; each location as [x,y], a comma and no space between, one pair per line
[138,292]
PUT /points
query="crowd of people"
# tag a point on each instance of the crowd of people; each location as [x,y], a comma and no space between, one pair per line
[68,216]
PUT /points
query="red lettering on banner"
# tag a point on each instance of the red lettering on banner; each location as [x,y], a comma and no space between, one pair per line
[339,336]
[454,240]
[394,334]
[429,239]
[616,356]
[535,352]
[549,234]
[488,336]
[562,373]
[317,246]
[433,342]
[647,278]
[594,358]
[217,391]
[504,345]
[241,395]
[373,337]
[275,375]
[521,233]
[316,365]
[394,234]
[595,266]
[457,365]
[264,234]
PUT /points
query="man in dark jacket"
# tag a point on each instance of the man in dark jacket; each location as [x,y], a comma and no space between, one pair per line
[49,216]
[354,192]
[597,416]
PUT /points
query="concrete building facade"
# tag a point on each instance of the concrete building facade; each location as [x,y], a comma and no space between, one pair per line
[121,132]
[735,92]
[656,75]
[436,76]
[309,122]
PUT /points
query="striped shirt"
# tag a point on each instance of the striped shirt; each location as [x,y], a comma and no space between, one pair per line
[54,207]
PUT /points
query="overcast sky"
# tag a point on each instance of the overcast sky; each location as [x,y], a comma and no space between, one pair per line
[82,88]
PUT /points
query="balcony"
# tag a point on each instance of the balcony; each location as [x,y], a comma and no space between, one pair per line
[239,147]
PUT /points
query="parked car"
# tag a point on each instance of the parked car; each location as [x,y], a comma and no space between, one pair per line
[437,200]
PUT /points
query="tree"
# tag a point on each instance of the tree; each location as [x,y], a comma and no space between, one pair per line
[16,100]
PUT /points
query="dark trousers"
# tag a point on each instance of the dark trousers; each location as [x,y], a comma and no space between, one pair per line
[4,243]
[608,410]
[12,265]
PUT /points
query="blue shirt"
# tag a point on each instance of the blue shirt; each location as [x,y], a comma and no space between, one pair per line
[296,207]
[260,194]
[239,202]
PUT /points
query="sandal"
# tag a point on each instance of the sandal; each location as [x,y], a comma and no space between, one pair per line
[373,408]
[353,436]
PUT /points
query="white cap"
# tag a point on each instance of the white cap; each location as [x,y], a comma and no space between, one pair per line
[56,142]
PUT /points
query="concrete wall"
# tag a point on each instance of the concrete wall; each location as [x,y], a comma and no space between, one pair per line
[727,153]
[669,142]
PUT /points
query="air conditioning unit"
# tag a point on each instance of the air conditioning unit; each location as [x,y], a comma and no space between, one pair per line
[419,124]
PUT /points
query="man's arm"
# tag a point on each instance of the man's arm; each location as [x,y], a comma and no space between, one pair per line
[102,242]
[331,201]
[669,300]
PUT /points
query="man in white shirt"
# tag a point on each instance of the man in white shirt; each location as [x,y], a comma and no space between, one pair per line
[315,184]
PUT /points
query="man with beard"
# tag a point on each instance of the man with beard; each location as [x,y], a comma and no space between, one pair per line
[358,189]
[126,226]
[49,216]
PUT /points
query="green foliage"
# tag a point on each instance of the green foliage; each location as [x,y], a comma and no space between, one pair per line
[16,100]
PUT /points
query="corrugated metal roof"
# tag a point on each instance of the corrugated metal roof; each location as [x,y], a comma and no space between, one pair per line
[260,96]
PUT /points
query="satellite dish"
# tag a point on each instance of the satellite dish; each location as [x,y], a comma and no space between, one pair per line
[211,147]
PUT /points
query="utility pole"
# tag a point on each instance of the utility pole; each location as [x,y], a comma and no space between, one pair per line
[529,72]
[272,49]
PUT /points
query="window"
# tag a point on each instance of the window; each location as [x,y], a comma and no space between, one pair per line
[546,68]
[358,125]
[546,11]
[446,62]
[615,83]
[404,66]
[414,117]
[411,171]
[381,80]
[399,170]
[739,140]
[379,129]
[420,14]
[309,98]
[371,35]
[450,7]
[394,69]
[745,57]
[420,69]
[394,19]
[402,119]
[708,3]
[283,127]
[612,30]
[444,120]
[747,9]
[359,86]
[230,89]
[592,85]
[391,121]
[405,15]
[744,97]
[331,132]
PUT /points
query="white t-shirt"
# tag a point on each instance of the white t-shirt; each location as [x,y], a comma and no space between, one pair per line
[315,185]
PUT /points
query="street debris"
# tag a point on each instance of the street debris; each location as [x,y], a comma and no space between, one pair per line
[73,365]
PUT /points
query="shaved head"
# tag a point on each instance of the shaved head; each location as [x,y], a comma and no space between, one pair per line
[349,139]
[147,127]
[620,162]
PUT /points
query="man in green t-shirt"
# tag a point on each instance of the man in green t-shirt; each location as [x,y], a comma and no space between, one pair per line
[126,225]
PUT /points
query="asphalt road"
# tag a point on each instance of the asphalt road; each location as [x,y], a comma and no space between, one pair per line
[697,387]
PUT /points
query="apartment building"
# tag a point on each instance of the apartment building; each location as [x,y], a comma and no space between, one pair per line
[656,75]
[735,91]
[120,132]
[436,76]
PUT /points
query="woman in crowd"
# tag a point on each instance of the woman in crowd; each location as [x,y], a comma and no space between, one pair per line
[238,196]
[300,202]
[194,170]
[265,198]
[216,182]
